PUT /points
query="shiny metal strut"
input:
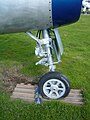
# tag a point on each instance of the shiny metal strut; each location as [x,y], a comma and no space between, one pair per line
[49,45]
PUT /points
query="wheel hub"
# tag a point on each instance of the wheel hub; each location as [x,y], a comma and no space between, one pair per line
[54,88]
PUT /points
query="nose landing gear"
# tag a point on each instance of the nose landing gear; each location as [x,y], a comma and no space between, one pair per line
[52,85]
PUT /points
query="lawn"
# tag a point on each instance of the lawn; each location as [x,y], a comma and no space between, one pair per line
[17,52]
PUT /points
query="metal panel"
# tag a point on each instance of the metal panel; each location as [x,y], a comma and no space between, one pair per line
[24,15]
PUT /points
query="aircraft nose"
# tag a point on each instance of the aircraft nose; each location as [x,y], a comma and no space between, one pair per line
[65,11]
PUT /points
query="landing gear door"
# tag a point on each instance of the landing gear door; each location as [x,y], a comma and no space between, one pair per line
[57,45]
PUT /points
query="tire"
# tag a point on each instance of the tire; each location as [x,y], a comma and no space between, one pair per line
[54,85]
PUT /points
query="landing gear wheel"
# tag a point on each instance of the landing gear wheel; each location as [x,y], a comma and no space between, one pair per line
[54,85]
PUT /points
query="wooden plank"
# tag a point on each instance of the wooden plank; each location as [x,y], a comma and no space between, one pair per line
[73,98]
[23,95]
[26,92]
[74,95]
[25,86]
[75,90]
[74,102]
[78,100]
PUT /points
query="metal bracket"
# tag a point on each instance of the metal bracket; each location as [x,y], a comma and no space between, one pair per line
[38,97]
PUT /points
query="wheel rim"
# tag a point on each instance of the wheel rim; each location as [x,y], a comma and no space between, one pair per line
[54,88]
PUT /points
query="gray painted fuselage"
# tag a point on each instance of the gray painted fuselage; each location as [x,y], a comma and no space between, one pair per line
[24,15]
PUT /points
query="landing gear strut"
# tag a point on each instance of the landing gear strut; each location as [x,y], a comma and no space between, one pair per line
[52,85]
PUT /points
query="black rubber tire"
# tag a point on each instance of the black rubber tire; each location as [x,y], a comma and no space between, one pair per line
[53,75]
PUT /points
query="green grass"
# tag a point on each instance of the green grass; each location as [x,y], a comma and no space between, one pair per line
[19,110]
[19,49]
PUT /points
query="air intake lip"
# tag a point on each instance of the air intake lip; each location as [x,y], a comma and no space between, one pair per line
[65,11]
